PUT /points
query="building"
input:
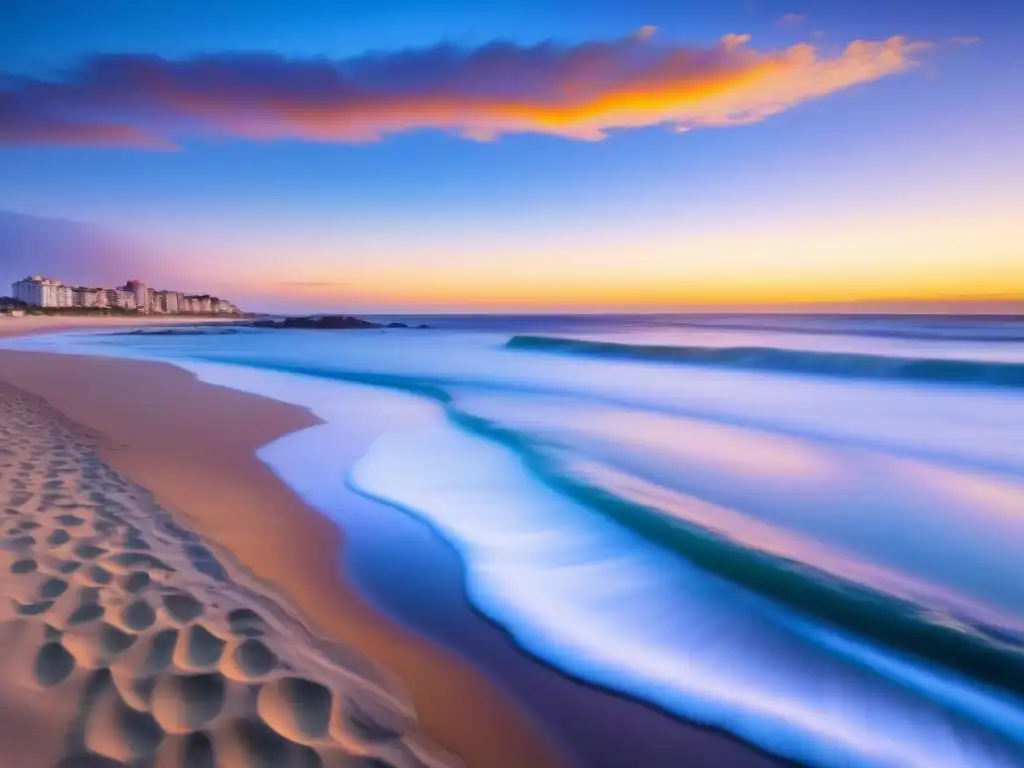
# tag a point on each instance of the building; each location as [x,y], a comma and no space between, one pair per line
[170,301]
[120,298]
[83,298]
[65,296]
[141,293]
[200,303]
[37,291]
[89,298]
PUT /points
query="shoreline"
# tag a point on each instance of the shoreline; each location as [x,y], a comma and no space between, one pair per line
[500,732]
[30,325]
[124,639]
[292,550]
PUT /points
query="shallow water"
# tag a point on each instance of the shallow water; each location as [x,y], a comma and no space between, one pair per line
[803,545]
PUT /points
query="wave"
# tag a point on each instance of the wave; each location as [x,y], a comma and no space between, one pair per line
[837,364]
[987,654]
[597,602]
[979,328]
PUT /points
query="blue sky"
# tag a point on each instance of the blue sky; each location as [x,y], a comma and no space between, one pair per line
[861,189]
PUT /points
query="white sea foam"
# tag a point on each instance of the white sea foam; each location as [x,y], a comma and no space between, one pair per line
[598,601]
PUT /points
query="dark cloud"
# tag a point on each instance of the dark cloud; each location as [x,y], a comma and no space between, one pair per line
[24,122]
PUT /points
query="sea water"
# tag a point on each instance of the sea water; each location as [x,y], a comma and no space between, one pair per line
[803,530]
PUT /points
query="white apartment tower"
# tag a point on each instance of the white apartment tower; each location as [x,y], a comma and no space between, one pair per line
[169,301]
[37,291]
[66,296]
[121,298]
[89,297]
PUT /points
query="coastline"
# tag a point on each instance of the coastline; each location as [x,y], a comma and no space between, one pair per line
[35,324]
[157,431]
[125,640]
[199,472]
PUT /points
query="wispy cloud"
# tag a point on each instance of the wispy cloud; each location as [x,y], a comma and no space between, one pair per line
[314,284]
[20,126]
[792,20]
[579,92]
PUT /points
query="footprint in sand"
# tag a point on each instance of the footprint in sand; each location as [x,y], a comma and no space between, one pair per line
[167,660]
[53,664]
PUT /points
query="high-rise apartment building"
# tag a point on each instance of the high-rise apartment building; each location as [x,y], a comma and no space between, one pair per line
[121,298]
[65,296]
[170,301]
[89,298]
[37,291]
[139,290]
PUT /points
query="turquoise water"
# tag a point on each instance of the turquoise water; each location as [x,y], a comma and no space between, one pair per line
[805,531]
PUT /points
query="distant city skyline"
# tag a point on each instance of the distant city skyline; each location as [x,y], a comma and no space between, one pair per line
[50,293]
[521,157]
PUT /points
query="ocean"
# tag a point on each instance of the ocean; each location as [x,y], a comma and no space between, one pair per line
[802,530]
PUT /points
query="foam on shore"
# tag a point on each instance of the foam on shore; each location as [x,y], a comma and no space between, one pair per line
[601,603]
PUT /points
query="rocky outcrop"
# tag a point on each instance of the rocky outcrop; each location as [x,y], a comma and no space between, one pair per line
[325,322]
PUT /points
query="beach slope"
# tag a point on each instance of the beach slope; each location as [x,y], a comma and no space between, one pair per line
[123,637]
[189,451]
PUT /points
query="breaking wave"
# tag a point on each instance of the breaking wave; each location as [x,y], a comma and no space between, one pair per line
[838,364]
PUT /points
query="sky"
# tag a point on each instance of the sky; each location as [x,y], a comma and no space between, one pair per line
[518,156]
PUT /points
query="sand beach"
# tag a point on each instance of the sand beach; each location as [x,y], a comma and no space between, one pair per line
[125,638]
[74,431]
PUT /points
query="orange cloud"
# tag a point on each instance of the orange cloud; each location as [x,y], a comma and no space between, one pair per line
[792,20]
[579,92]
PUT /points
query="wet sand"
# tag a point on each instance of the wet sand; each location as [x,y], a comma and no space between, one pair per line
[193,445]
